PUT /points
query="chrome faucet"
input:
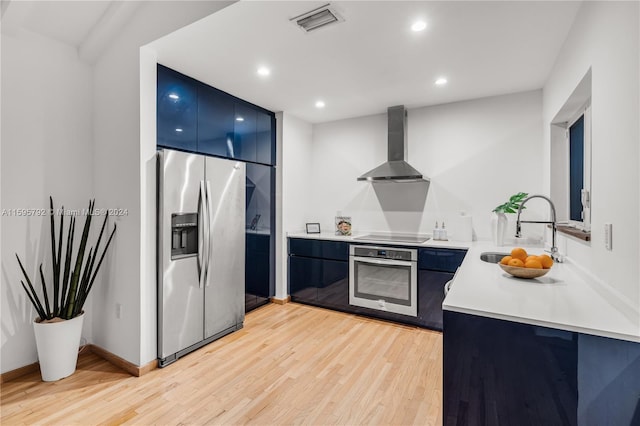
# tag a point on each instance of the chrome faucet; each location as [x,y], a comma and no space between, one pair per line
[554,250]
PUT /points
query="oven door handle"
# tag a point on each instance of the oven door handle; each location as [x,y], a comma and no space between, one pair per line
[387,262]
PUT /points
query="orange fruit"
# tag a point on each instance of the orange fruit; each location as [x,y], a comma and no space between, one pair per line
[546,261]
[505,260]
[519,253]
[531,257]
[533,264]
[516,262]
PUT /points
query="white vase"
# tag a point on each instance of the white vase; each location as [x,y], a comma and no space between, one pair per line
[498,228]
[58,344]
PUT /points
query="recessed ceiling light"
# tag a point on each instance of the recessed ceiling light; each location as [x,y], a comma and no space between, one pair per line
[264,71]
[179,130]
[320,104]
[418,26]
[441,81]
[174,96]
[239,118]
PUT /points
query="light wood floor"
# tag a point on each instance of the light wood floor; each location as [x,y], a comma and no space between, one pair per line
[291,364]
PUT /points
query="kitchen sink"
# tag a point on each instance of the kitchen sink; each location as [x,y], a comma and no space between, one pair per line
[492,257]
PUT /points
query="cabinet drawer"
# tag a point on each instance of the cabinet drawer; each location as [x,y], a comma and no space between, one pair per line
[446,260]
[335,250]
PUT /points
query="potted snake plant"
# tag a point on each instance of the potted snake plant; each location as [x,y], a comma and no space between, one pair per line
[60,315]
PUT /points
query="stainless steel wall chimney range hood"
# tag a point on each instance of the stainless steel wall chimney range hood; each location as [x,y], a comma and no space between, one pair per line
[396,169]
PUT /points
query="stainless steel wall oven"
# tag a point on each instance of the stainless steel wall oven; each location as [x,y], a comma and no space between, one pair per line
[384,278]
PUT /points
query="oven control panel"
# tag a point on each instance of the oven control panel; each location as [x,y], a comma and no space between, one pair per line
[384,253]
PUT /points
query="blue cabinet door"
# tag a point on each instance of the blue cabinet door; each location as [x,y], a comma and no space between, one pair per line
[438,259]
[305,276]
[177,108]
[259,261]
[321,282]
[257,270]
[265,138]
[430,297]
[254,134]
[333,291]
[505,373]
[245,125]
[215,122]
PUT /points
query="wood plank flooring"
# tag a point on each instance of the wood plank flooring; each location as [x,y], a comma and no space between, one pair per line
[290,364]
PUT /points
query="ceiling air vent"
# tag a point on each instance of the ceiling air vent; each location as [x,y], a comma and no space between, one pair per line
[317,18]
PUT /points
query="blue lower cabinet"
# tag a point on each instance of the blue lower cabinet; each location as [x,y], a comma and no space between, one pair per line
[319,281]
[504,373]
[260,243]
[440,259]
[257,270]
[608,381]
[304,278]
[321,249]
[319,275]
[333,291]
[430,297]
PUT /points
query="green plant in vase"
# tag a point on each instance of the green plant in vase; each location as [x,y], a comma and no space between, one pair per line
[513,204]
[499,220]
[59,325]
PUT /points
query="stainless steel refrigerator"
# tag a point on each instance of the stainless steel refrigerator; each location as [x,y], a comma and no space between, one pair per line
[201,248]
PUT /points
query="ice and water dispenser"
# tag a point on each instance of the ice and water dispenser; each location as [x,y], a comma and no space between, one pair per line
[184,235]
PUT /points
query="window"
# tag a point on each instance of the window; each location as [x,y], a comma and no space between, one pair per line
[571,158]
[576,169]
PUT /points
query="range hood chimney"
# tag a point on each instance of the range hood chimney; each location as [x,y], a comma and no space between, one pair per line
[395,169]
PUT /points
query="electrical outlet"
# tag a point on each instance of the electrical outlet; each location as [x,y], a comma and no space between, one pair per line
[118,310]
[608,236]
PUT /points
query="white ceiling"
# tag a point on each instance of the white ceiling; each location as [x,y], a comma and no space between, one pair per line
[69,22]
[86,25]
[372,60]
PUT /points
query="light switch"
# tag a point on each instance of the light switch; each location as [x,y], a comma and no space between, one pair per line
[608,237]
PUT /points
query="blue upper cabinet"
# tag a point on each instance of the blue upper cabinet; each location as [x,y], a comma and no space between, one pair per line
[265,137]
[193,116]
[254,130]
[245,132]
[215,122]
[177,108]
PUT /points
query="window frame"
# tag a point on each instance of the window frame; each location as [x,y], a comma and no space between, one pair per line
[583,111]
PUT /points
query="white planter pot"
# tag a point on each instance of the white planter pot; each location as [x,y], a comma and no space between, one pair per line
[58,344]
[498,228]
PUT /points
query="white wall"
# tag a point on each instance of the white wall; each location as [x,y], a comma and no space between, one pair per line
[293,197]
[476,153]
[74,132]
[124,178]
[46,150]
[605,36]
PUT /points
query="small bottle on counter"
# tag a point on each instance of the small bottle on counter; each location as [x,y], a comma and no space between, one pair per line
[443,232]
[436,232]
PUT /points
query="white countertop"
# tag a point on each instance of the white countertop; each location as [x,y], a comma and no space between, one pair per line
[566,298]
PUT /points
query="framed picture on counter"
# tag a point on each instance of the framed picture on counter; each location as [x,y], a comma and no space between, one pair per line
[343,225]
[313,228]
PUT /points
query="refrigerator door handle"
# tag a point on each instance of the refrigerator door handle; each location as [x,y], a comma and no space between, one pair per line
[209,239]
[203,245]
